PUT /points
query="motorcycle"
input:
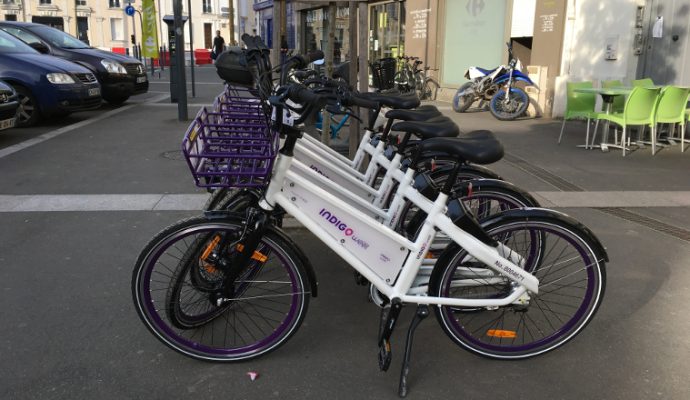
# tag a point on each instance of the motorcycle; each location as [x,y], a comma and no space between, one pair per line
[497,86]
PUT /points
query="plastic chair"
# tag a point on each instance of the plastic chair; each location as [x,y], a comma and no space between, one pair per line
[644,82]
[671,109]
[619,101]
[578,106]
[639,110]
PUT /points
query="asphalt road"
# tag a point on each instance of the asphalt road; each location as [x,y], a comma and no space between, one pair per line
[69,330]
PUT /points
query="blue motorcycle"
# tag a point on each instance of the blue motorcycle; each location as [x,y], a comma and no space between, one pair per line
[497,87]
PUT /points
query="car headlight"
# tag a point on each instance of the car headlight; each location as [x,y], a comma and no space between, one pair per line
[59,78]
[113,67]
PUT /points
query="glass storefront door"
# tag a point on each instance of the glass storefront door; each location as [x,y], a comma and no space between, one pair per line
[386,30]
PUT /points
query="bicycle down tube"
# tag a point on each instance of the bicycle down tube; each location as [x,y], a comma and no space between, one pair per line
[388,260]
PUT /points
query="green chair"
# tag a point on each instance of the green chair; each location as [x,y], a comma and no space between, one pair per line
[671,110]
[578,106]
[639,110]
[619,101]
[644,82]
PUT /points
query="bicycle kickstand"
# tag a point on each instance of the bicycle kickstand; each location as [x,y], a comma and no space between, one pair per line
[422,312]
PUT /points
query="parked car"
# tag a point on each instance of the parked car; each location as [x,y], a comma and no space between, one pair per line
[45,85]
[8,106]
[120,76]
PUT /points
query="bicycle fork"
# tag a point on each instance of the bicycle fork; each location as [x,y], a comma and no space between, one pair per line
[245,252]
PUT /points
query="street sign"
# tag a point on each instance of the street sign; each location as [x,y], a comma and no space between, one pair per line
[129,10]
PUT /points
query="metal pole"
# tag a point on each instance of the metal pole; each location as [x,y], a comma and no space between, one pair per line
[231,16]
[141,24]
[191,46]
[328,53]
[363,51]
[354,123]
[179,59]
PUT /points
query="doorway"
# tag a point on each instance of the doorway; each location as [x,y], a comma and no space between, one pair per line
[208,36]
[83,29]
[664,57]
[387,30]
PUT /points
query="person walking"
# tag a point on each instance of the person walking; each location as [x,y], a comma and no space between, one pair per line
[218,45]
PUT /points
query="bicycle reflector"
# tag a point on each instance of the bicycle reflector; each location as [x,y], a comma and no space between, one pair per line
[499,333]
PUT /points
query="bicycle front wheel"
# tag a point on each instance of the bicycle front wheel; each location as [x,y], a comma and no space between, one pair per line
[173,287]
[429,90]
[572,280]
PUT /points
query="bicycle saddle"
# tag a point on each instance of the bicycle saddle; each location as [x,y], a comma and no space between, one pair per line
[413,115]
[479,147]
[405,101]
[433,128]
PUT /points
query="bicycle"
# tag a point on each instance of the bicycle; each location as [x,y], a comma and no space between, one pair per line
[411,78]
[231,286]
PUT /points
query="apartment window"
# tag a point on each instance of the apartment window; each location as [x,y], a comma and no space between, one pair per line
[117,29]
[45,2]
[80,2]
[9,2]
[207,7]
[115,4]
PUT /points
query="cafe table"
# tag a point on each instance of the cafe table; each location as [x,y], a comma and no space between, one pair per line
[607,96]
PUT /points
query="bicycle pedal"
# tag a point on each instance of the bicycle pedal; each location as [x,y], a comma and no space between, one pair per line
[385,355]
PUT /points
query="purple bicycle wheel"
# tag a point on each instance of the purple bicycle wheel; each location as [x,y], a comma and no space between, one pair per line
[571,287]
[270,302]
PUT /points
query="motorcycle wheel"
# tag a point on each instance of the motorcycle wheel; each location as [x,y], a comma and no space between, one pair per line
[462,103]
[509,110]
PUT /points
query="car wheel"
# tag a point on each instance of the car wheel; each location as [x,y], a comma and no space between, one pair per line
[116,100]
[28,113]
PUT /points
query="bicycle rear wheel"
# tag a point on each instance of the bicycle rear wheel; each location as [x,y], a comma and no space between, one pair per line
[173,287]
[572,280]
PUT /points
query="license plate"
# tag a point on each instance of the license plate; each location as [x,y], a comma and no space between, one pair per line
[141,79]
[95,92]
[6,124]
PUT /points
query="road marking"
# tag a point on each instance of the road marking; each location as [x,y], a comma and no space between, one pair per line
[57,132]
[192,202]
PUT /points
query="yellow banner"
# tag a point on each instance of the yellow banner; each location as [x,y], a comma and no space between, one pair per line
[149,36]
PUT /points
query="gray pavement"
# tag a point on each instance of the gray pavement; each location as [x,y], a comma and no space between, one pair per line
[78,207]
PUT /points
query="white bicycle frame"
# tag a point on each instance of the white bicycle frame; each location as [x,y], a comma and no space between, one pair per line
[388,260]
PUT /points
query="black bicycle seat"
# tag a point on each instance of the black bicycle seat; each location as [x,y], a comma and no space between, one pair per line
[413,115]
[479,147]
[404,101]
[433,128]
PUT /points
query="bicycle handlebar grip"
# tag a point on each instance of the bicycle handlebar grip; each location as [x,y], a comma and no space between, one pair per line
[353,100]
[302,95]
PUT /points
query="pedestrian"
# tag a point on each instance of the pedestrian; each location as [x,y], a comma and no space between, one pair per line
[218,45]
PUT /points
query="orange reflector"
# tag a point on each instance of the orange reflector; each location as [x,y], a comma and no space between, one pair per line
[429,255]
[501,333]
[256,256]
[210,248]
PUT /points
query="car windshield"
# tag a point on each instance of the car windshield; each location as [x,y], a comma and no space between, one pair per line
[59,38]
[9,44]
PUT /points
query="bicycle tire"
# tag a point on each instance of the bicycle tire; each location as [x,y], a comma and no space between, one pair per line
[462,103]
[429,89]
[270,302]
[507,332]
[516,107]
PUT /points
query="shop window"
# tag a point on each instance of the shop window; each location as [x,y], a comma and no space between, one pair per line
[117,29]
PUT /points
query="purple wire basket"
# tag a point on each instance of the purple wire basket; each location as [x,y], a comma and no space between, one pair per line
[233,149]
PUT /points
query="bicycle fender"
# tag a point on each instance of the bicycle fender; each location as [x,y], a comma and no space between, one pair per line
[311,273]
[537,213]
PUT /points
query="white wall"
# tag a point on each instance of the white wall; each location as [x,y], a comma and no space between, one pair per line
[589,23]
[523,18]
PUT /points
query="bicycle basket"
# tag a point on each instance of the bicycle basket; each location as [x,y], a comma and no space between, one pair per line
[383,73]
[223,153]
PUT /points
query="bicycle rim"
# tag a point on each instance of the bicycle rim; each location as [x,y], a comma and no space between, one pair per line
[269,303]
[571,287]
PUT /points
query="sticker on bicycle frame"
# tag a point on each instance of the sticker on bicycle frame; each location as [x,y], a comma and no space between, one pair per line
[383,255]
[327,172]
